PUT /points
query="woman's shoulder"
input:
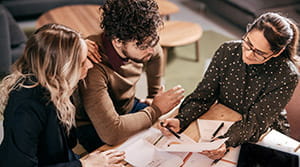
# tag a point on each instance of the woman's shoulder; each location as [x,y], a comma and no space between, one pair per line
[35,98]
[231,44]
[229,51]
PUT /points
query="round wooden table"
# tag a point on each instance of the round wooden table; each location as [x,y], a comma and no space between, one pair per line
[82,18]
[166,8]
[86,18]
[179,33]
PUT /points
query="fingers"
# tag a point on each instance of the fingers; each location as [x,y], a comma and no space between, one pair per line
[171,123]
[176,90]
[117,165]
[94,152]
[175,94]
[161,90]
[212,155]
[93,53]
[216,154]
[114,156]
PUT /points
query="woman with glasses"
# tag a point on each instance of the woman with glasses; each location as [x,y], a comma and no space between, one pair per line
[254,76]
[39,116]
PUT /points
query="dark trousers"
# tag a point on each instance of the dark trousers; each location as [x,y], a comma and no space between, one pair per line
[88,136]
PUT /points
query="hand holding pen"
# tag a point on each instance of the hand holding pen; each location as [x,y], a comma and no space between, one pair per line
[218,153]
[170,127]
[170,130]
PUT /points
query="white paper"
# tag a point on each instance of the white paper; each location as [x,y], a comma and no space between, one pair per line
[208,127]
[279,141]
[195,147]
[140,152]
[197,160]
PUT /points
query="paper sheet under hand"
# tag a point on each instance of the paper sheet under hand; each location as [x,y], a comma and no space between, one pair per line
[208,127]
[140,152]
[196,147]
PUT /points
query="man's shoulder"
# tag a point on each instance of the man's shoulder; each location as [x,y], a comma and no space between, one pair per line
[96,38]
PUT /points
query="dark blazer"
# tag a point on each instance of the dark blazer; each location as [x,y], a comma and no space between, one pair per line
[33,135]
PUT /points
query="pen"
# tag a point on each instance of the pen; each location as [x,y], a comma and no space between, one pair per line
[157,140]
[170,130]
[217,160]
[217,130]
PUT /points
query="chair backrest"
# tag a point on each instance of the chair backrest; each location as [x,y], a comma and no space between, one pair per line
[293,113]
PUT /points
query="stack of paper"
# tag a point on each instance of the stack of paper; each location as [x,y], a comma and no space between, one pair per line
[168,151]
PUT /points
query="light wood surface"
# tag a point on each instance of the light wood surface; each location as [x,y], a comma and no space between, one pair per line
[179,33]
[82,18]
[86,18]
[216,112]
[166,8]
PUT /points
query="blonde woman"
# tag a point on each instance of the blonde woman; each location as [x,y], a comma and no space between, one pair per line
[35,101]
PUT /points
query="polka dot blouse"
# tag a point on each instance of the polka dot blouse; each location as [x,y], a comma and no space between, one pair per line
[258,92]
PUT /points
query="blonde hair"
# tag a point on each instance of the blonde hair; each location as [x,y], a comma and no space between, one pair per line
[53,56]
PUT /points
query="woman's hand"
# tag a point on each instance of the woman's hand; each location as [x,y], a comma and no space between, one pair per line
[110,158]
[93,51]
[215,154]
[172,123]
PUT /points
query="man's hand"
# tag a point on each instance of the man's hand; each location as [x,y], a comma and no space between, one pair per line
[167,100]
[93,53]
[147,101]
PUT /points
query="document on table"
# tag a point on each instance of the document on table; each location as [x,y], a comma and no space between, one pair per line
[194,147]
[279,141]
[206,130]
[140,151]
[168,151]
[208,127]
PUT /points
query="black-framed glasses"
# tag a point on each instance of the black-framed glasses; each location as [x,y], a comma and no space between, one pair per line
[259,55]
[149,44]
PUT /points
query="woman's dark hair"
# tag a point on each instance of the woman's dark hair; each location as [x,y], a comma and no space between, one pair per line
[280,32]
[131,20]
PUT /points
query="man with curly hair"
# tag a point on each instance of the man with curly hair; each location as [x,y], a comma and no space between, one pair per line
[127,46]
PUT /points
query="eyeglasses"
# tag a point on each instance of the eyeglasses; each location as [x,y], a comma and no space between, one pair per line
[259,55]
[150,44]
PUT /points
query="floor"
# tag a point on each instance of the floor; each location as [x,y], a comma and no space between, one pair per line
[195,11]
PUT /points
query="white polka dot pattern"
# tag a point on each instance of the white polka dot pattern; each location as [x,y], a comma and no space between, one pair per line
[258,92]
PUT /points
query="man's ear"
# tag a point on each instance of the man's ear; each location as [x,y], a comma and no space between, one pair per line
[117,42]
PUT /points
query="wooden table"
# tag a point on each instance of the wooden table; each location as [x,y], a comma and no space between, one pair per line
[217,112]
[82,18]
[86,18]
[180,33]
[166,8]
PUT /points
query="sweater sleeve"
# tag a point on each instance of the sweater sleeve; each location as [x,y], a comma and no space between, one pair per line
[22,143]
[262,114]
[111,127]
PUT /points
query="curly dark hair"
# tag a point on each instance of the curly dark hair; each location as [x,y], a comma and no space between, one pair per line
[131,20]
